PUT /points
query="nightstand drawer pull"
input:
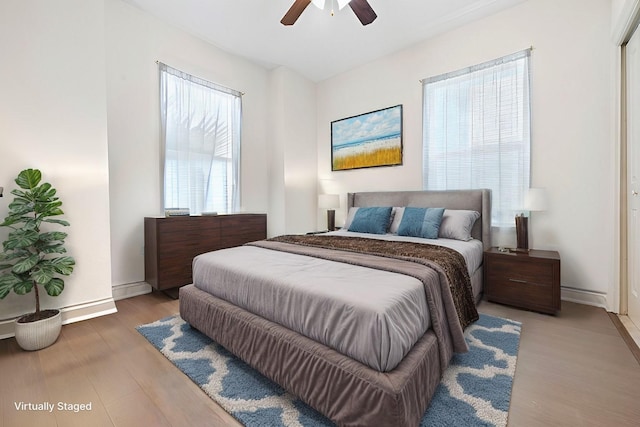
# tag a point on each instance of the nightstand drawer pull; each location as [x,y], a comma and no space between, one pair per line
[518,281]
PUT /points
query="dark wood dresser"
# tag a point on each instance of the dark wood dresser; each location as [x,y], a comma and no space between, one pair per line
[529,280]
[171,243]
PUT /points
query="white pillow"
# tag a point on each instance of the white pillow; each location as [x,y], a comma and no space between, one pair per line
[350,215]
[457,224]
[396,214]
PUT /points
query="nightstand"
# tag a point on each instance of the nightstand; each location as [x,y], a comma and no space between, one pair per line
[529,280]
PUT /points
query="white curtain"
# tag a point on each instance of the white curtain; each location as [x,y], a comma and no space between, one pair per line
[476,132]
[201,143]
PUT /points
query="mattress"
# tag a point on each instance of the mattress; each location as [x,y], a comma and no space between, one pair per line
[377,331]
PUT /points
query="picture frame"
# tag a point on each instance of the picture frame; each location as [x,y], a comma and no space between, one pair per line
[367,140]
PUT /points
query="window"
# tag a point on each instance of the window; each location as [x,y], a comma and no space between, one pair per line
[201,138]
[476,132]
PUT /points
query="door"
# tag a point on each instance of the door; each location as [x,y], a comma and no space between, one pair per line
[633,175]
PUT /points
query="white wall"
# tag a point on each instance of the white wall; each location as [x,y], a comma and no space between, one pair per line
[134,42]
[53,118]
[622,14]
[573,141]
[292,153]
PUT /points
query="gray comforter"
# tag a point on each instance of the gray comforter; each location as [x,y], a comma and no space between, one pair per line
[373,316]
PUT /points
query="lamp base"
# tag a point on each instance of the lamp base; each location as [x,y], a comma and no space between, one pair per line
[522,233]
[331,220]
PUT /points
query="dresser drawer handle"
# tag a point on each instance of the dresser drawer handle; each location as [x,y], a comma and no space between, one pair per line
[518,281]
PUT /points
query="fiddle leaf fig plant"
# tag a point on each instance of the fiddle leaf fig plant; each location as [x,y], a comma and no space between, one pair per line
[33,253]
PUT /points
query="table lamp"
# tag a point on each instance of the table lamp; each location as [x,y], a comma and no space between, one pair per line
[329,202]
[534,200]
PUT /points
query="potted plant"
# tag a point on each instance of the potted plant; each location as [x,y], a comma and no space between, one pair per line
[33,257]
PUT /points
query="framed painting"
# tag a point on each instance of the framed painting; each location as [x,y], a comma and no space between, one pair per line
[367,140]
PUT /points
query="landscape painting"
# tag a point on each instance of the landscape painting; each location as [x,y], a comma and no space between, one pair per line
[368,140]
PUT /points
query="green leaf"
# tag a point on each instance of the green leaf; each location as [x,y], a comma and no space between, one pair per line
[28,179]
[7,282]
[21,239]
[46,208]
[21,208]
[23,287]
[54,287]
[8,222]
[22,194]
[63,265]
[26,264]
[16,253]
[14,219]
[54,211]
[52,236]
[53,249]
[41,191]
[18,201]
[30,224]
[49,192]
[43,273]
[57,221]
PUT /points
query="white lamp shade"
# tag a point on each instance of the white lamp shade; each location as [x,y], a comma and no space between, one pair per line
[328,201]
[342,3]
[536,200]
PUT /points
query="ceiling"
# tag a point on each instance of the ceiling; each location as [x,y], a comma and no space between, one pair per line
[319,45]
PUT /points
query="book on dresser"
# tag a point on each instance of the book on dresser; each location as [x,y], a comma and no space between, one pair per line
[171,243]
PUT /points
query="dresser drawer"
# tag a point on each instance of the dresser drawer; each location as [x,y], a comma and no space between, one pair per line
[171,243]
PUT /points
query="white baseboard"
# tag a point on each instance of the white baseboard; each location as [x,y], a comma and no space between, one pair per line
[71,314]
[582,296]
[128,290]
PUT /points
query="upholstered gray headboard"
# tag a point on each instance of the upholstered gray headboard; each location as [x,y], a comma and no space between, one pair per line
[477,200]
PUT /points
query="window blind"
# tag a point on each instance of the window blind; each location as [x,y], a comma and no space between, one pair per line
[201,143]
[476,132]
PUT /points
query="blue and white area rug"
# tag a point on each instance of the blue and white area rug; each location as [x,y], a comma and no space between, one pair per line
[475,389]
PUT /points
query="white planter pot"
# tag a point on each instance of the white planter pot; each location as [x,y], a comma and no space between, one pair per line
[39,334]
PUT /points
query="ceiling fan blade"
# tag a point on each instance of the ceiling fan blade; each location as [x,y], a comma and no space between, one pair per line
[363,11]
[294,12]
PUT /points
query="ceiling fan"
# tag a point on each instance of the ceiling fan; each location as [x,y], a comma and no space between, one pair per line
[361,8]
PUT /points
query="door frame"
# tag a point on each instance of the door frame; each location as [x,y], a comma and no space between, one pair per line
[622,32]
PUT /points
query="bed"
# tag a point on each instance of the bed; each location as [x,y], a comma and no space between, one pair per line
[254,300]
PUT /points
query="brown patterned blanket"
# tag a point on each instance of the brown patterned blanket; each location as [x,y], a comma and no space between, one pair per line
[455,296]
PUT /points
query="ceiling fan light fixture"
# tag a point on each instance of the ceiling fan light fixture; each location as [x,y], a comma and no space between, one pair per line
[361,8]
[318,3]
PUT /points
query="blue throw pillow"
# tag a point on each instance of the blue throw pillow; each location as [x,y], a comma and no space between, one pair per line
[371,220]
[421,222]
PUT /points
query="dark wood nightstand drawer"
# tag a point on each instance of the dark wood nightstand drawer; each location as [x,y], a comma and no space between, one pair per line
[522,271]
[522,294]
[528,280]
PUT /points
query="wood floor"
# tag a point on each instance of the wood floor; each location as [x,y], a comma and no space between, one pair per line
[573,369]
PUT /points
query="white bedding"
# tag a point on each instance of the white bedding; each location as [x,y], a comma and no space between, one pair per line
[372,316]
